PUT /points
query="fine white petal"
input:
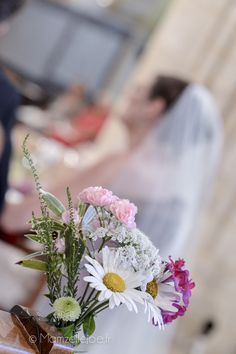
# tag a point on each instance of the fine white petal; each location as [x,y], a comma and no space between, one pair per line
[116,299]
[112,303]
[89,279]
[92,271]
[96,265]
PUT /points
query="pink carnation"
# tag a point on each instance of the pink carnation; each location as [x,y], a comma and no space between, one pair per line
[96,196]
[124,211]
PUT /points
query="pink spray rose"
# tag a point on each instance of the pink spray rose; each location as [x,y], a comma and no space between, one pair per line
[124,211]
[96,196]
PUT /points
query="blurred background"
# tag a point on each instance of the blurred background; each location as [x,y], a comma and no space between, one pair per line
[74,65]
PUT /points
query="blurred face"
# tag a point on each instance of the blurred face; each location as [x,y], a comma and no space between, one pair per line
[141,111]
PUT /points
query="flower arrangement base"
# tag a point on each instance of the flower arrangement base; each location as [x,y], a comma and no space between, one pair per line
[37,333]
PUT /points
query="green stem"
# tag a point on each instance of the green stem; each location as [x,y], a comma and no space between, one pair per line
[102,309]
[91,310]
[90,295]
[104,241]
[84,294]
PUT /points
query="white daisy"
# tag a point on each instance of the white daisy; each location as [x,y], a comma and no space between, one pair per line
[162,296]
[114,283]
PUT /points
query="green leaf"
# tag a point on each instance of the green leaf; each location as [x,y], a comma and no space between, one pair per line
[53,203]
[33,255]
[82,209]
[89,325]
[34,264]
[34,238]
[68,331]
[57,226]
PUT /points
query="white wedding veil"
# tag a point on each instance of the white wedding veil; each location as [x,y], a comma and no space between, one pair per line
[169,174]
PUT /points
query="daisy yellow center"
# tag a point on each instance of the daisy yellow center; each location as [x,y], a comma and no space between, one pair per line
[114,282]
[152,288]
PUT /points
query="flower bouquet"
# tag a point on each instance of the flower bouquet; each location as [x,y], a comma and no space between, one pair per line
[95,258]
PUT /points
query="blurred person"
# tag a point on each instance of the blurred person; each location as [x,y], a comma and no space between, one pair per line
[1,139]
[9,8]
[9,102]
[177,139]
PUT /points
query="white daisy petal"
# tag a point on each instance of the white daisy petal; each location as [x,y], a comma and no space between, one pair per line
[92,271]
[112,303]
[89,279]
[96,265]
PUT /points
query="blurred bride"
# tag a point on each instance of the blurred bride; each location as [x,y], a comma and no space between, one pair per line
[177,139]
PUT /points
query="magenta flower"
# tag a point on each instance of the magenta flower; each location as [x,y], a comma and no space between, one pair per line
[124,211]
[96,196]
[181,279]
[66,216]
[183,286]
[169,317]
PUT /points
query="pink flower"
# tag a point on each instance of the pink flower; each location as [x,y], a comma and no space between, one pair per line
[96,196]
[183,286]
[180,276]
[124,211]
[60,245]
[168,317]
[66,216]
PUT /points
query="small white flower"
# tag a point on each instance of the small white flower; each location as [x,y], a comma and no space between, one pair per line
[100,232]
[139,252]
[114,283]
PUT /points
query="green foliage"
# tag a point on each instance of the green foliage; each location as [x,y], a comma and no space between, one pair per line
[34,264]
[34,238]
[53,203]
[74,250]
[68,331]
[89,325]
